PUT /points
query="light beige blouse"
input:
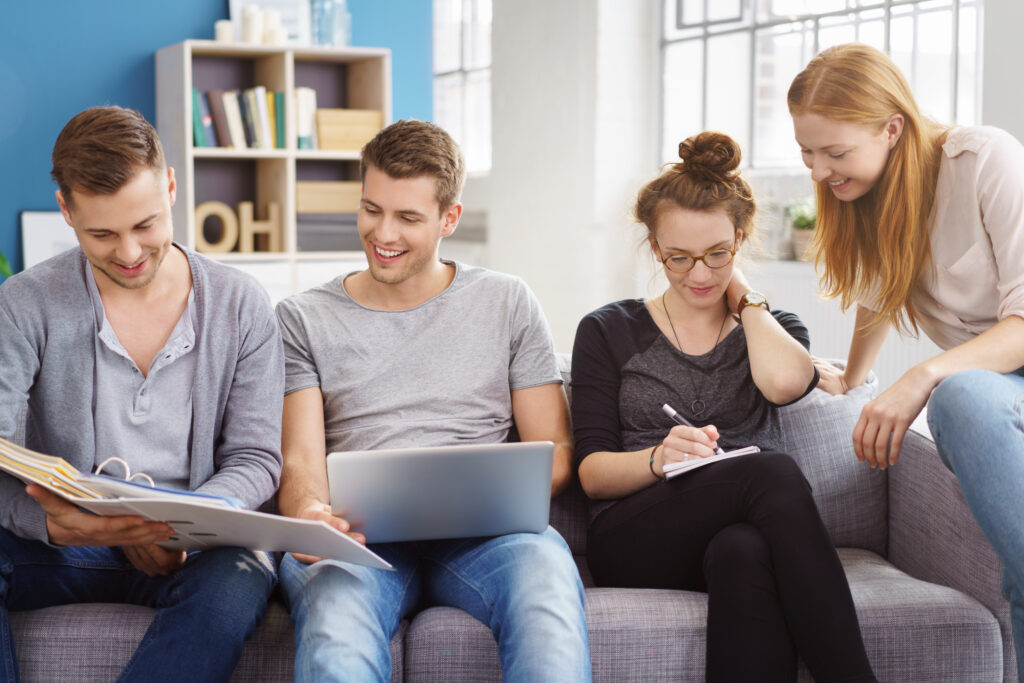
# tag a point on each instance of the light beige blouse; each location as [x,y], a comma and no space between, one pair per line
[977,237]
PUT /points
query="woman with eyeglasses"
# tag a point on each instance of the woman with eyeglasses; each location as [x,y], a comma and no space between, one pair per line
[921,225]
[746,529]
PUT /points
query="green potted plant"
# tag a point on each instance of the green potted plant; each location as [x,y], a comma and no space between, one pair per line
[5,267]
[802,216]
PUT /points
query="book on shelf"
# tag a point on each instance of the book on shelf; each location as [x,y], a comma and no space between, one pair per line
[279,121]
[305,117]
[247,122]
[272,112]
[204,133]
[676,468]
[234,117]
[264,137]
[198,520]
[220,119]
[198,137]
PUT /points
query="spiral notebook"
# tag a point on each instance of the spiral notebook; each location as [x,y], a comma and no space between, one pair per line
[199,520]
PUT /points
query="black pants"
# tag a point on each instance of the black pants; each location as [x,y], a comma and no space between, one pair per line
[746,531]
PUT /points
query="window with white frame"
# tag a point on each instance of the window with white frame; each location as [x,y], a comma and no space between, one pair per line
[462,77]
[727,64]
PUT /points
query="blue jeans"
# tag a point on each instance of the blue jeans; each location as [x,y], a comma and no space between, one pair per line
[205,610]
[977,420]
[524,586]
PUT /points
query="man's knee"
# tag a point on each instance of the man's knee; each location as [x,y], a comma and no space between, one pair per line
[238,579]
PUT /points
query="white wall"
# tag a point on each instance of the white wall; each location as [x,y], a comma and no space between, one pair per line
[1002,98]
[574,137]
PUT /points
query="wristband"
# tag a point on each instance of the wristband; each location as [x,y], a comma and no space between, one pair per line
[651,463]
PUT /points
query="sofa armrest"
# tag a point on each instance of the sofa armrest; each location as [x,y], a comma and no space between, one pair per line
[933,535]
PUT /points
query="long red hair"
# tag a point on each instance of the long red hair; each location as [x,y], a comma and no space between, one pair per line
[873,249]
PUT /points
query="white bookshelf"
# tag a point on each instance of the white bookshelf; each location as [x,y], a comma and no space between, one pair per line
[356,78]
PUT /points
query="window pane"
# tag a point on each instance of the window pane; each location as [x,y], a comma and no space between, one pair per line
[671,29]
[478,35]
[476,134]
[781,9]
[721,10]
[782,52]
[836,31]
[933,75]
[447,35]
[683,105]
[872,33]
[728,87]
[865,27]
[967,82]
[693,12]
[448,103]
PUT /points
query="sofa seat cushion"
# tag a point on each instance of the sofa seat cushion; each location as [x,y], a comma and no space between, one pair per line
[93,642]
[919,631]
[913,631]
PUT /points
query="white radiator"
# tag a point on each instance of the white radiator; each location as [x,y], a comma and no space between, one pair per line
[793,286]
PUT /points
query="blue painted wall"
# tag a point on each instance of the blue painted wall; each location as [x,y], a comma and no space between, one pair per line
[58,57]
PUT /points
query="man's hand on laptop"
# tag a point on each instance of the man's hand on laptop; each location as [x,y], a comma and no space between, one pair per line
[68,525]
[322,512]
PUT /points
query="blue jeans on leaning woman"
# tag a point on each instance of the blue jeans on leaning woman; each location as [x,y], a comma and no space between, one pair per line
[525,587]
[206,609]
[977,420]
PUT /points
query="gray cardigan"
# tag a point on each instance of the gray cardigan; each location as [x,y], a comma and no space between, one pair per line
[47,328]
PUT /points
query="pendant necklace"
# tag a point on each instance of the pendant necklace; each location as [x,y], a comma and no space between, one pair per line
[697,406]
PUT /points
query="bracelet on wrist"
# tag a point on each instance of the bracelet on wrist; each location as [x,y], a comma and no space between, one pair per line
[651,463]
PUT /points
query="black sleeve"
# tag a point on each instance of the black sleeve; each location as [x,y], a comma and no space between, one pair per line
[595,390]
[796,328]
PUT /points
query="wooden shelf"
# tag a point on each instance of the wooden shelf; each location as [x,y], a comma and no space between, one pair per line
[356,78]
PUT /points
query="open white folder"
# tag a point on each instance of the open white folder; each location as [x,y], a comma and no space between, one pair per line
[199,520]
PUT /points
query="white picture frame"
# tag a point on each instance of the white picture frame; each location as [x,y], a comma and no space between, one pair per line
[44,234]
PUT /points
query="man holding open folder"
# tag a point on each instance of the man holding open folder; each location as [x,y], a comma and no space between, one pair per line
[416,351]
[134,348]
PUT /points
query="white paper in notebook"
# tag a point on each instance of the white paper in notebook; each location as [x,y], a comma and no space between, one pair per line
[676,468]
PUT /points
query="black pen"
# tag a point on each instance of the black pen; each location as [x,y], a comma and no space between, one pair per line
[679,419]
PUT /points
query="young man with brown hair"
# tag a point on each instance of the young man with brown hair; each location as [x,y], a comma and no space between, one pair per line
[134,347]
[416,351]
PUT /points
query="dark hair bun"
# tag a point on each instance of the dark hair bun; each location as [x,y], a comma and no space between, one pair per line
[710,156]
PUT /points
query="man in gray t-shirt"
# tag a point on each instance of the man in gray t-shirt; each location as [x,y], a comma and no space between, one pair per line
[416,351]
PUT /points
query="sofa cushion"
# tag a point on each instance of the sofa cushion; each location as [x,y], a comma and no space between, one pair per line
[851,497]
[913,631]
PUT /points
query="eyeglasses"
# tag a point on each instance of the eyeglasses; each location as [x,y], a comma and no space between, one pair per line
[684,263]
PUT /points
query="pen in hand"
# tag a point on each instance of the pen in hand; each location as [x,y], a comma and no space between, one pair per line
[679,419]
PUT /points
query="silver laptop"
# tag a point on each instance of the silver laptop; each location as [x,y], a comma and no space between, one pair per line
[413,494]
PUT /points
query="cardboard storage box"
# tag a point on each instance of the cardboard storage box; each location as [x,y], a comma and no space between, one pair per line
[347,129]
[327,196]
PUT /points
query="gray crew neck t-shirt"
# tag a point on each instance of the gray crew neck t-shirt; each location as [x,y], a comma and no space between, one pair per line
[438,374]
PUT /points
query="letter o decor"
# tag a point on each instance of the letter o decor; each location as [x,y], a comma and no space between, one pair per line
[229,227]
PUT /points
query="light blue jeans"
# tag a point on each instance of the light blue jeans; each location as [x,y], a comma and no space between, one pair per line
[977,420]
[205,610]
[524,586]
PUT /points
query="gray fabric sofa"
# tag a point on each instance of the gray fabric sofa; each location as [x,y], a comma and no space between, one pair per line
[925,584]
